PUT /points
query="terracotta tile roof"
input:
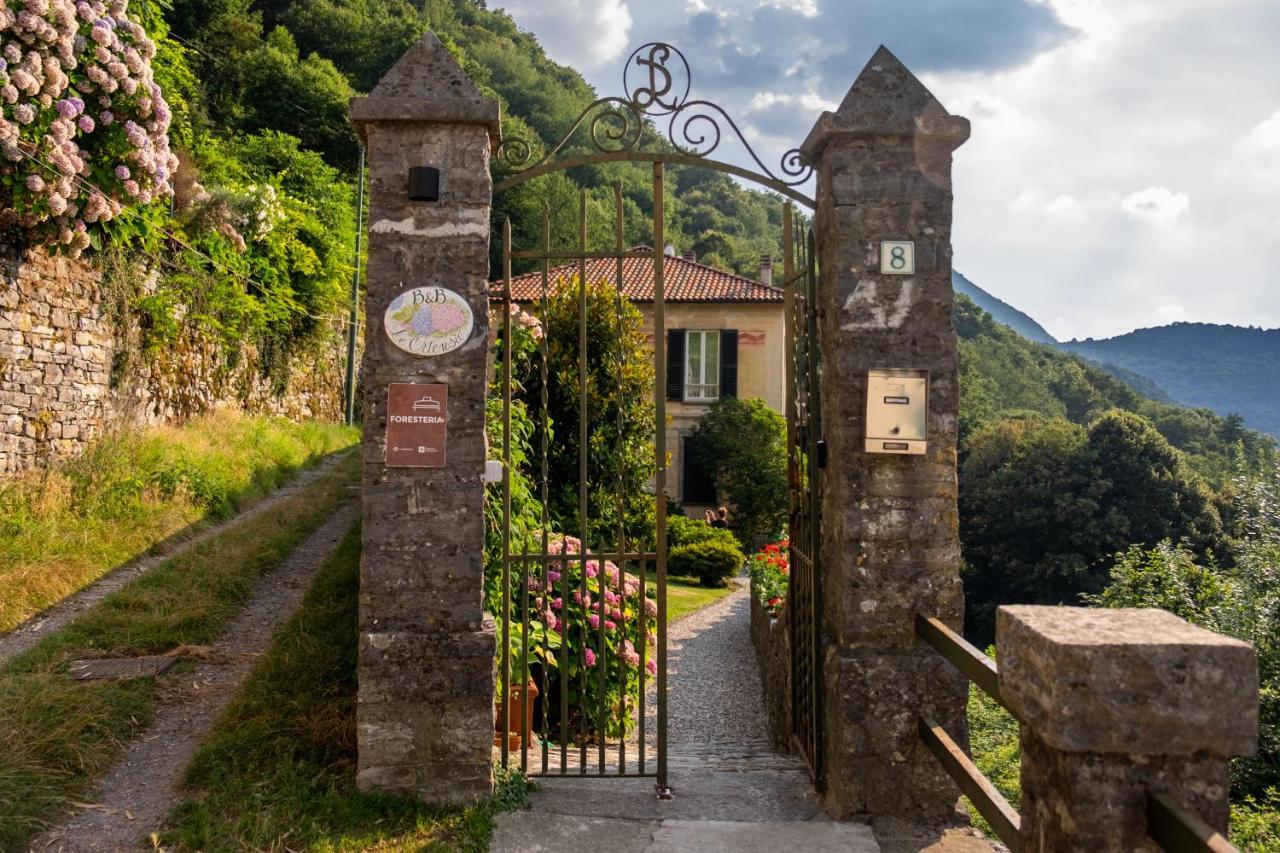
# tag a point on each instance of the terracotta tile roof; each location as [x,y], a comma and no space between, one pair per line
[686,281]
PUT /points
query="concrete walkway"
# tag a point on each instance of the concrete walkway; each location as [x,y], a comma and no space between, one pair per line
[731,792]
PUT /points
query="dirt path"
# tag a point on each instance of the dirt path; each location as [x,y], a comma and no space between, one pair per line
[136,795]
[35,629]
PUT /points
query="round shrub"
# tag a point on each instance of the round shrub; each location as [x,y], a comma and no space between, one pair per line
[686,531]
[84,127]
[712,563]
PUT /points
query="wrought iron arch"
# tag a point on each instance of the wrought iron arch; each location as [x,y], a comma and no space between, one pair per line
[694,128]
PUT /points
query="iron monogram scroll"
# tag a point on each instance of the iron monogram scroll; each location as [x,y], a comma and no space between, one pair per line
[656,80]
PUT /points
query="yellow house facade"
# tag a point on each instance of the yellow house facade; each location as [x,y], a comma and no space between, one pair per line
[725,337]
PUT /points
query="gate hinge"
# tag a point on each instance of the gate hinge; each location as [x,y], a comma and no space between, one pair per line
[822,453]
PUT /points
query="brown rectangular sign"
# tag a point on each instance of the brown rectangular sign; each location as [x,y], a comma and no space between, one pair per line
[417,426]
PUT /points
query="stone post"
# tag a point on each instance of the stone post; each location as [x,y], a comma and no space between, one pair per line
[890,546]
[425,711]
[1115,704]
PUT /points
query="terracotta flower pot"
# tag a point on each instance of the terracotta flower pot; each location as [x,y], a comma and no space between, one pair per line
[520,727]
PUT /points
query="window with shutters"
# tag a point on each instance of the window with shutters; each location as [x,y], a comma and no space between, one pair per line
[702,366]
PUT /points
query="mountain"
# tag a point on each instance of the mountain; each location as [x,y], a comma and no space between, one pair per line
[1004,376]
[1002,311]
[1224,368]
[1230,369]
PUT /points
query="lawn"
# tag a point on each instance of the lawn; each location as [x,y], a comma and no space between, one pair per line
[62,529]
[279,767]
[686,595]
[57,736]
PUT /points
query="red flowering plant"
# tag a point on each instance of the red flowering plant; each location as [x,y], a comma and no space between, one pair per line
[769,569]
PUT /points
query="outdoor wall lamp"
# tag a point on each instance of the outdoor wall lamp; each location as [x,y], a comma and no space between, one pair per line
[424,183]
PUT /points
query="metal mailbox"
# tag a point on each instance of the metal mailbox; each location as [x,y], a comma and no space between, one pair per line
[897,411]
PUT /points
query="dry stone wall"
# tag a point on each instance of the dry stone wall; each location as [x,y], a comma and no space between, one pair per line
[69,371]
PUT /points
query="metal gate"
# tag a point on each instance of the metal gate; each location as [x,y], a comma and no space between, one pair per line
[548,581]
[806,459]
[575,738]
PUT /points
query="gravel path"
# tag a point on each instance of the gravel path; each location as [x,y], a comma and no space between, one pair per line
[35,629]
[713,689]
[136,795]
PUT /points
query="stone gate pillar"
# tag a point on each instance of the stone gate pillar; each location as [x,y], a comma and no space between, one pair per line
[425,712]
[890,543]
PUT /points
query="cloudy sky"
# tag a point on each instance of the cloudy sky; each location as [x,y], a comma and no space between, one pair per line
[1124,169]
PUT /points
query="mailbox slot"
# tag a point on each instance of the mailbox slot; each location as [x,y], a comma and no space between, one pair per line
[897,411]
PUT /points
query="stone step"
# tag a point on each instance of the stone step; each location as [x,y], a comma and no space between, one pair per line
[534,832]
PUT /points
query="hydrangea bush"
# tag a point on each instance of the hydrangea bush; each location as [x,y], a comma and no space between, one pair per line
[84,129]
[603,630]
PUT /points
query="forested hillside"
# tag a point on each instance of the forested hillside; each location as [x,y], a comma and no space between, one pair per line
[1004,375]
[1226,368]
[1003,312]
[221,164]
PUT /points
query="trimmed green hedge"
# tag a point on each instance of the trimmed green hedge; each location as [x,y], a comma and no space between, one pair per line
[712,563]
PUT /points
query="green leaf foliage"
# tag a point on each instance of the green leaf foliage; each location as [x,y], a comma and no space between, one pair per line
[1044,503]
[745,443]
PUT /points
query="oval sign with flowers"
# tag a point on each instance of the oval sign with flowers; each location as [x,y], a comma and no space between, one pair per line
[429,321]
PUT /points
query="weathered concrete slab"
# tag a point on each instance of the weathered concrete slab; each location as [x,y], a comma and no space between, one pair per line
[119,669]
[719,836]
[726,782]
[538,832]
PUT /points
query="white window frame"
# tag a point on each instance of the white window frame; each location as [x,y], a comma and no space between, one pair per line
[703,391]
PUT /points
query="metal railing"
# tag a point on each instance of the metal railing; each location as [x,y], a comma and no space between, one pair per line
[1178,830]
[981,670]
[1171,826]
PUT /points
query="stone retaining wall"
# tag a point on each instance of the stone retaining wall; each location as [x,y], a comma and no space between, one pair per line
[69,372]
[771,638]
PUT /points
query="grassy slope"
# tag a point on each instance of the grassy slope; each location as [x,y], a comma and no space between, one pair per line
[279,767]
[63,529]
[57,736]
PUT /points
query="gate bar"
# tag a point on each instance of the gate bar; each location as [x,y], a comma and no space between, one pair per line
[582,474]
[506,491]
[622,500]
[660,451]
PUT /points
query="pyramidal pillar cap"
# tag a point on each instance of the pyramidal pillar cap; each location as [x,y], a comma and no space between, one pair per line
[886,100]
[427,85]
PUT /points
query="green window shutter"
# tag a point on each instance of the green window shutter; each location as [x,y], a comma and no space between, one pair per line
[728,362]
[675,364]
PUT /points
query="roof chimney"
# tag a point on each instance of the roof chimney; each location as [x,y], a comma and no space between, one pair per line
[690,255]
[766,269]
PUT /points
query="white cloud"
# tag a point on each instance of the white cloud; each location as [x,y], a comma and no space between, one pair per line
[585,34]
[804,8]
[811,101]
[1092,136]
[1159,204]
[1262,139]
[1091,17]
